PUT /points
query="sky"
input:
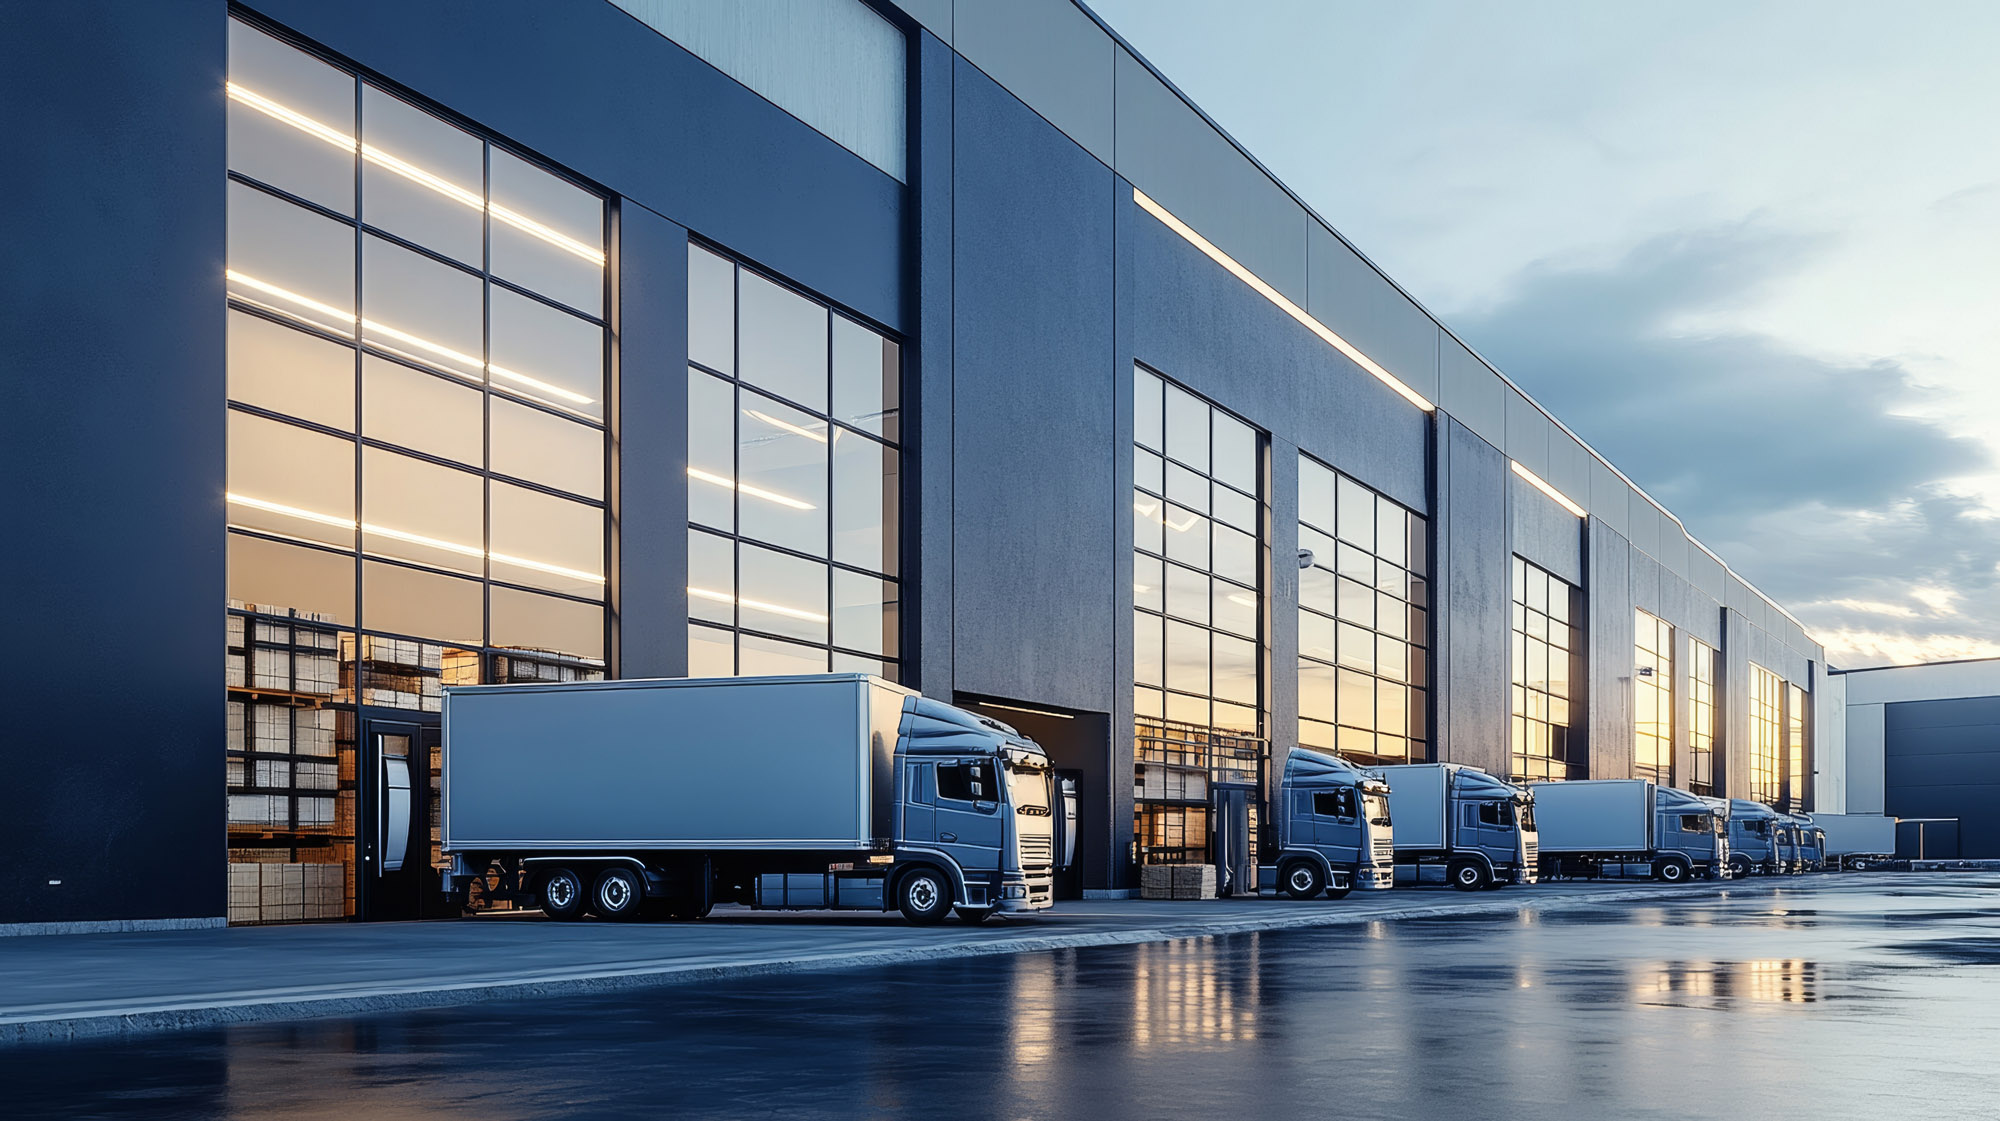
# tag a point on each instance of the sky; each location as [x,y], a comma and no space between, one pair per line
[1750,252]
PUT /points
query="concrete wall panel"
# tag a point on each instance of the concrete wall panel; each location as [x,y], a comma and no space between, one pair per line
[1476,594]
[1051,56]
[1471,392]
[1544,532]
[1610,497]
[651,507]
[1345,292]
[1608,653]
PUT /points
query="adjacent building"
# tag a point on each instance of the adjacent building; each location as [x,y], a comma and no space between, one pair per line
[356,351]
[1923,745]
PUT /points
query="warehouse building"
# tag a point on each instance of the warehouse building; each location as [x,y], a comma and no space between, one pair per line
[1923,745]
[381,347]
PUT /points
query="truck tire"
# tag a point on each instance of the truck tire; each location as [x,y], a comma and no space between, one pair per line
[562,893]
[923,894]
[973,916]
[1739,867]
[1302,879]
[619,894]
[1468,875]
[1669,871]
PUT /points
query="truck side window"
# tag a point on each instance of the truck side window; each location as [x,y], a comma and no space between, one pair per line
[1492,813]
[967,782]
[1333,803]
[920,784]
[1694,823]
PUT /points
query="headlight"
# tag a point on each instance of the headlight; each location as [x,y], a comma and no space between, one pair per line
[1015,891]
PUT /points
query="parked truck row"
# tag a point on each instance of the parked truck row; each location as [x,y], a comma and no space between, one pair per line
[844,791]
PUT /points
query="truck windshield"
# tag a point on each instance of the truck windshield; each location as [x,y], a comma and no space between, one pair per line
[1028,788]
[1378,809]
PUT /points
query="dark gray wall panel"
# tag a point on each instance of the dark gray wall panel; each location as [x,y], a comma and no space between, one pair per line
[112,442]
[1544,532]
[1733,687]
[1646,583]
[1204,328]
[1051,56]
[1474,630]
[1281,626]
[929,369]
[651,503]
[1473,394]
[1957,712]
[1167,150]
[1608,652]
[592,88]
[1942,759]
[1360,305]
[1033,436]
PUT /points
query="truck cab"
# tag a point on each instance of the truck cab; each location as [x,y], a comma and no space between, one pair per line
[1718,808]
[1481,828]
[1333,829]
[1785,843]
[977,800]
[1812,844]
[1686,825]
[1753,828]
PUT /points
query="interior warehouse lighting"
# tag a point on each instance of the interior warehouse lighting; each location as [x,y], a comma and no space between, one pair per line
[755,605]
[439,543]
[412,172]
[746,488]
[1272,294]
[1545,488]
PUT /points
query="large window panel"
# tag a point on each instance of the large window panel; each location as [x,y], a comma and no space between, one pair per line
[290,261]
[564,627]
[547,542]
[421,310]
[274,576]
[420,178]
[1544,644]
[865,613]
[417,511]
[781,594]
[286,371]
[547,233]
[866,493]
[768,657]
[1149,417]
[291,119]
[781,456]
[547,355]
[867,380]
[1187,428]
[711,438]
[421,411]
[414,602]
[711,310]
[550,450]
[711,652]
[782,342]
[290,481]
[711,578]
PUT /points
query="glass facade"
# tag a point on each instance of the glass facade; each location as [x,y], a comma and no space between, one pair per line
[794,481]
[1545,653]
[417,459]
[1197,522]
[1796,794]
[1653,699]
[1766,711]
[1364,621]
[1701,716]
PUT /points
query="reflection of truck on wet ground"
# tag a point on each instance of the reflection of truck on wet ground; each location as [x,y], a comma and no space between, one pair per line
[824,791]
[1481,828]
[1591,826]
[1332,825]
[1857,841]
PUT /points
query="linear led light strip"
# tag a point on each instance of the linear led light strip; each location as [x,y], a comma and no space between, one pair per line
[1541,485]
[463,550]
[757,605]
[746,488]
[1272,294]
[418,341]
[412,172]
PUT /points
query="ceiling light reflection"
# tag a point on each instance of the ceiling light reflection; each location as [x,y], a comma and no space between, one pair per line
[757,605]
[746,488]
[457,547]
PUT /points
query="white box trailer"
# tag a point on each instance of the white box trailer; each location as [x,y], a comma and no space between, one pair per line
[1857,840]
[1480,827]
[1589,826]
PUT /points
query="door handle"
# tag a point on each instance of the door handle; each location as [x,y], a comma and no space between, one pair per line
[947,837]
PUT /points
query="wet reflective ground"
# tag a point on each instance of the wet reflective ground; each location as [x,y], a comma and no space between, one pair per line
[1847,997]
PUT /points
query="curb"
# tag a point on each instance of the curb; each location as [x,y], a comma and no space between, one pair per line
[264,1006]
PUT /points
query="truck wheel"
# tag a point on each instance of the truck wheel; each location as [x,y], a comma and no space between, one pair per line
[924,896]
[562,894]
[1302,880]
[619,894]
[1739,867]
[973,916]
[1669,871]
[1468,875]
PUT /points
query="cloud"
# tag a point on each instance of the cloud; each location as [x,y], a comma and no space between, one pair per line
[1804,471]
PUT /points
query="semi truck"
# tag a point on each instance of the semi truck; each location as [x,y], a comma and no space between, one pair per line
[1481,828]
[1785,840]
[1720,808]
[1857,841]
[1333,832]
[1752,838]
[1590,824]
[622,798]
[1812,844]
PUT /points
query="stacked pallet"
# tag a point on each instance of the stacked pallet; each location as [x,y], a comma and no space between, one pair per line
[1177,881]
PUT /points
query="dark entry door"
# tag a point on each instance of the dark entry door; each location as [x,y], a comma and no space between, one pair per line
[399,772]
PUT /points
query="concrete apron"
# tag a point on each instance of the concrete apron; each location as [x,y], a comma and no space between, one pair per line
[75,1020]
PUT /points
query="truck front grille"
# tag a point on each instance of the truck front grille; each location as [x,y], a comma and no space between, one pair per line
[1383,851]
[1037,852]
[1534,850]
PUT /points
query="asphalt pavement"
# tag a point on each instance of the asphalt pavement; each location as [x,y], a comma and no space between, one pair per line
[1826,998]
